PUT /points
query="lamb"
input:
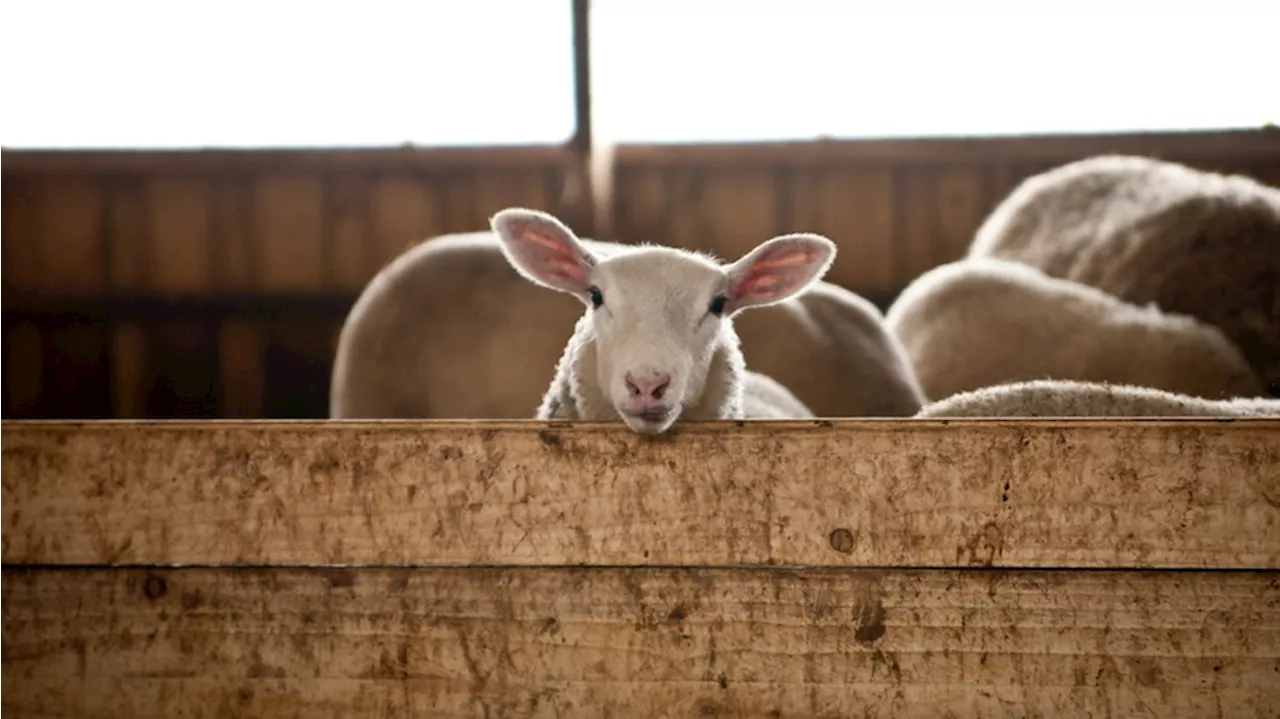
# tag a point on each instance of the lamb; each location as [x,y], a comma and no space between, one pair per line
[1194,242]
[1064,398]
[656,342]
[979,322]
[434,335]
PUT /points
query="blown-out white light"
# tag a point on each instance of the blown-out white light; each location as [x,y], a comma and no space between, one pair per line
[145,73]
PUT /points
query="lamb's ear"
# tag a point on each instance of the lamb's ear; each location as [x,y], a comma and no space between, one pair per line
[543,250]
[778,269]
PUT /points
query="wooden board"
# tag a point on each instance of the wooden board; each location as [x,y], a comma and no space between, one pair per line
[1032,493]
[182,251]
[382,642]
[855,210]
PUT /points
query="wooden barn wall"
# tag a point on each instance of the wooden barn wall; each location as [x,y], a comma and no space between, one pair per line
[895,208]
[209,285]
[205,285]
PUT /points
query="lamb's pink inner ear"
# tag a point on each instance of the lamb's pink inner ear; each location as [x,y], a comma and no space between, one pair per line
[775,273]
[757,285]
[549,256]
[568,271]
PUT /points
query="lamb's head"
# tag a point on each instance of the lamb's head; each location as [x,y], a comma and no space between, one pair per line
[658,315]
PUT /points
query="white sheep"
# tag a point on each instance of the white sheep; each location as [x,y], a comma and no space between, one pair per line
[1063,398]
[434,335]
[656,341]
[981,322]
[1194,242]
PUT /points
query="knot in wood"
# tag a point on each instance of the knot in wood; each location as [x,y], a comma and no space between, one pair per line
[841,540]
[154,587]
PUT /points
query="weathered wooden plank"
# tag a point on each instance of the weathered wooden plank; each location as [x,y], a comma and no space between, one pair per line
[510,188]
[943,208]
[640,206]
[181,252]
[251,161]
[231,229]
[740,209]
[403,213]
[1248,145]
[347,215]
[639,642]
[20,225]
[129,236]
[72,241]
[854,209]
[1032,493]
[287,220]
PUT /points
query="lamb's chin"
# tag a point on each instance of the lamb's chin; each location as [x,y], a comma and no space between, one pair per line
[650,425]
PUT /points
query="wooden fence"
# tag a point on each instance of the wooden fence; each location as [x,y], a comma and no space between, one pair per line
[902,568]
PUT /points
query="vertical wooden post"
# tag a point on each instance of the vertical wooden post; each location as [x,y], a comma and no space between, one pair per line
[579,192]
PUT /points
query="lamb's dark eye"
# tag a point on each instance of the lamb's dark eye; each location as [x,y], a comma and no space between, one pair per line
[717,305]
[597,299]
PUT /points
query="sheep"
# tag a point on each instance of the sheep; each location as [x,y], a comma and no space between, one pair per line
[655,343]
[979,322]
[765,398]
[449,330]
[1145,230]
[1064,398]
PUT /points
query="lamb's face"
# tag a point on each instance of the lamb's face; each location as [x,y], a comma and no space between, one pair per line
[658,316]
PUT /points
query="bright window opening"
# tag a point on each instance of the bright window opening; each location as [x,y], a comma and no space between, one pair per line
[246,73]
[731,70]
[150,74]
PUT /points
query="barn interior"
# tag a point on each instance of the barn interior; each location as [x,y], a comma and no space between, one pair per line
[195,198]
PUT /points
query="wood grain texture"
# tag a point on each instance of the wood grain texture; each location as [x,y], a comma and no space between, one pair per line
[1033,493]
[855,210]
[1249,145]
[383,642]
[182,251]
[494,192]
[741,212]
[232,233]
[253,161]
[289,246]
[349,225]
[21,229]
[403,212]
[640,201]
[946,206]
[130,236]
[72,241]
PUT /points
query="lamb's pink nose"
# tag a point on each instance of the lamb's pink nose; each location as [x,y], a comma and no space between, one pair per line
[650,388]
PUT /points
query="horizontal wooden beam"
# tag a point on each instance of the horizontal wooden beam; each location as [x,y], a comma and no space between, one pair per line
[279,159]
[908,493]
[53,308]
[1251,145]
[639,643]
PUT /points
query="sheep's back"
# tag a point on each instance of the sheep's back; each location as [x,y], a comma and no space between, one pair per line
[1052,398]
[1193,242]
